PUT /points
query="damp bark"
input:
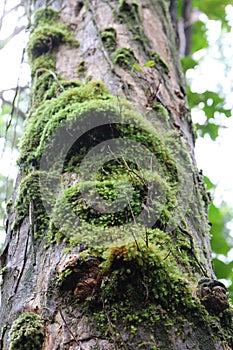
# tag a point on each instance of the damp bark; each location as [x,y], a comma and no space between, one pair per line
[111,282]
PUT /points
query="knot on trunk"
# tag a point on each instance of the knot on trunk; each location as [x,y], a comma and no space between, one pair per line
[213,295]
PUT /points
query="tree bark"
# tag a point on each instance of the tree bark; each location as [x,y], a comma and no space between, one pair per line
[86,266]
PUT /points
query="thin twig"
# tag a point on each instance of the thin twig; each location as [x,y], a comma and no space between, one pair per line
[53,75]
[69,330]
[8,124]
[110,327]
[167,255]
[193,249]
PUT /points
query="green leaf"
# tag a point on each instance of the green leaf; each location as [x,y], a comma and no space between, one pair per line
[137,67]
[199,39]
[150,63]
[210,129]
[214,9]
[221,242]
[188,63]
[222,269]
[209,183]
[212,103]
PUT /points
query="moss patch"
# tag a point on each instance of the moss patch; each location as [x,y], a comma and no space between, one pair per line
[108,37]
[130,10]
[117,179]
[29,190]
[130,263]
[55,104]
[27,332]
[161,111]
[82,69]
[48,33]
[124,57]
[141,289]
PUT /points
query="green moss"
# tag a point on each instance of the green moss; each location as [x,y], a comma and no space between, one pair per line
[45,15]
[128,13]
[42,63]
[128,263]
[109,38]
[63,276]
[144,289]
[131,10]
[55,105]
[78,220]
[42,83]
[83,103]
[161,111]
[160,63]
[47,37]
[49,32]
[124,57]
[3,270]
[29,190]
[82,69]
[27,332]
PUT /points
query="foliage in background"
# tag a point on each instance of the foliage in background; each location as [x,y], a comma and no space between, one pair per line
[213,104]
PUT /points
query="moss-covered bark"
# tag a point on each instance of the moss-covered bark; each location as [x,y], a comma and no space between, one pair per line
[108,239]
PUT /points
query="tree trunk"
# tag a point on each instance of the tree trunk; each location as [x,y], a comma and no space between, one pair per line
[108,239]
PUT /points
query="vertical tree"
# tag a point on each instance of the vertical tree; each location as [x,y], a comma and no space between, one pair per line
[108,239]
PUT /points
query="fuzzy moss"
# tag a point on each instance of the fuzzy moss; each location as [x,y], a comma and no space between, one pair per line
[82,69]
[108,37]
[85,103]
[161,111]
[49,32]
[52,102]
[45,15]
[29,190]
[164,282]
[143,290]
[130,10]
[78,219]
[27,332]
[124,57]
[45,39]
[43,63]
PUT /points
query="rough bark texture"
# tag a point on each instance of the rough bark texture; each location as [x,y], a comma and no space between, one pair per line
[125,294]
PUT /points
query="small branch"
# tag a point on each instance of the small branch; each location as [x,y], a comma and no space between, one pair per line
[18,111]
[69,330]
[110,327]
[167,255]
[53,75]
[193,249]
[15,97]
[3,14]
[186,12]
[16,31]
